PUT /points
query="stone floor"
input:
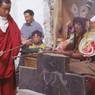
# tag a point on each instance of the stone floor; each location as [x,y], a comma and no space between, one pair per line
[27,92]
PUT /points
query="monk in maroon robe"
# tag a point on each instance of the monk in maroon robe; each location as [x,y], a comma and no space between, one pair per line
[79,63]
[9,47]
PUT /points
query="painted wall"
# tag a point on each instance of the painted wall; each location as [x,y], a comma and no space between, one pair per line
[19,6]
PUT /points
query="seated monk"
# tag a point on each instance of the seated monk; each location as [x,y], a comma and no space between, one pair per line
[68,41]
[80,63]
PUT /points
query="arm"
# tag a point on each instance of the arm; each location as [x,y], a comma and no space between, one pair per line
[1,53]
[72,54]
[25,41]
[77,55]
[24,38]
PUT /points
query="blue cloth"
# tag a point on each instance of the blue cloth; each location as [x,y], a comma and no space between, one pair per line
[27,29]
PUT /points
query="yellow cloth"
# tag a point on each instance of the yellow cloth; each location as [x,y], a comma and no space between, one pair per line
[41,46]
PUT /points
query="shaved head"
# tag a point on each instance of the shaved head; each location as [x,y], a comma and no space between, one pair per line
[5,1]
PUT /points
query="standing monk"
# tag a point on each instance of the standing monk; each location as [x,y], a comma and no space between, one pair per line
[9,39]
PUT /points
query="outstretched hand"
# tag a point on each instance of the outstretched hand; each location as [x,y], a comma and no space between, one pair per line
[1,53]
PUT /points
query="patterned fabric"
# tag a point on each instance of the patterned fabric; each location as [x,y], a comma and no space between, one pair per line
[87,44]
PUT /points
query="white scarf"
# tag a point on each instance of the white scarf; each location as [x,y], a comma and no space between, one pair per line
[3,23]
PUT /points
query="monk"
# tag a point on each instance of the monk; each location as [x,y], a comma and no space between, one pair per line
[79,63]
[9,47]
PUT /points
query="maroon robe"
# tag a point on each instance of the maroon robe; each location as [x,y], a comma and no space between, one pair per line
[8,40]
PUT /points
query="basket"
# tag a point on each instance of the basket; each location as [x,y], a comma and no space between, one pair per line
[30,61]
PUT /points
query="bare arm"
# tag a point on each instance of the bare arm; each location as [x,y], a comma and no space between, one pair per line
[73,54]
[1,53]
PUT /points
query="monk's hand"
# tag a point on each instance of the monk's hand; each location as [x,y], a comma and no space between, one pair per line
[1,53]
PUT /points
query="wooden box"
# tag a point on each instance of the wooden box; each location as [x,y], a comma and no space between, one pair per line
[30,60]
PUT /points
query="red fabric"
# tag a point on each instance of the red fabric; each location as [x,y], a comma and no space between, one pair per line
[8,87]
[9,40]
[90,83]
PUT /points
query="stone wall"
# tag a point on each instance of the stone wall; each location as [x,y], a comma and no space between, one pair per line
[48,21]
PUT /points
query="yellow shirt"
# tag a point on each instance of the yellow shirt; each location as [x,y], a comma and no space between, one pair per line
[41,46]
